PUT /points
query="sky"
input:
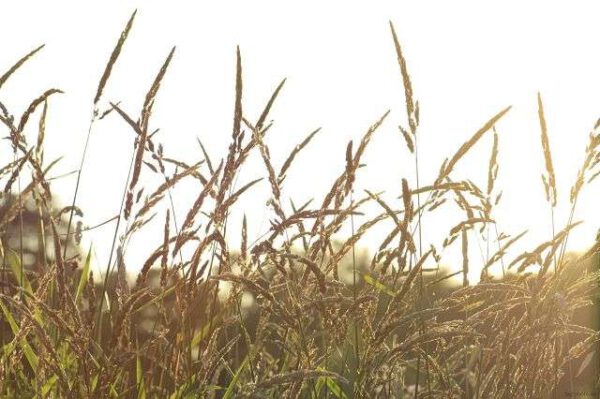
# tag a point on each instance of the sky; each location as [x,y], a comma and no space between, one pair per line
[467,61]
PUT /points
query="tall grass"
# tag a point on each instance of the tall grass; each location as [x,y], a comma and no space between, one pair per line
[276,317]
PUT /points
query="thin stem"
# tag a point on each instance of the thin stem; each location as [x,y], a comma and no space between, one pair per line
[570,220]
[112,248]
[553,235]
[354,288]
[420,232]
[20,228]
[79,172]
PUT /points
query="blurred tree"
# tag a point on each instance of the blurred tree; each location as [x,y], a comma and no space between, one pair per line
[27,238]
[29,235]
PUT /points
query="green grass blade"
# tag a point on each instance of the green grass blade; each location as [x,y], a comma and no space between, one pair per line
[379,286]
[139,374]
[32,358]
[84,275]
[334,388]
[234,380]
[15,264]
[49,385]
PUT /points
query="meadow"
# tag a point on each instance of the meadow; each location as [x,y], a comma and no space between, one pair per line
[301,311]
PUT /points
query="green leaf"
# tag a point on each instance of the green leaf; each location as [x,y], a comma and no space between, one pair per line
[234,380]
[49,385]
[14,262]
[200,335]
[316,393]
[139,373]
[379,286]
[84,275]
[29,353]
[334,388]
[157,298]
[331,384]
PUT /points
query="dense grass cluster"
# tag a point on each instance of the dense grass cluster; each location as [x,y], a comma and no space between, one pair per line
[293,313]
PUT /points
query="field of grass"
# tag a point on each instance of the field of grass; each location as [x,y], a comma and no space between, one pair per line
[296,312]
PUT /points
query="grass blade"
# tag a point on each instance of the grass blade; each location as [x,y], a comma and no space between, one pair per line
[84,275]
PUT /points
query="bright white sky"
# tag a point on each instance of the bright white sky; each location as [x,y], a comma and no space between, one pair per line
[468,60]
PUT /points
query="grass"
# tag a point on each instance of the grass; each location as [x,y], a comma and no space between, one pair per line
[278,316]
